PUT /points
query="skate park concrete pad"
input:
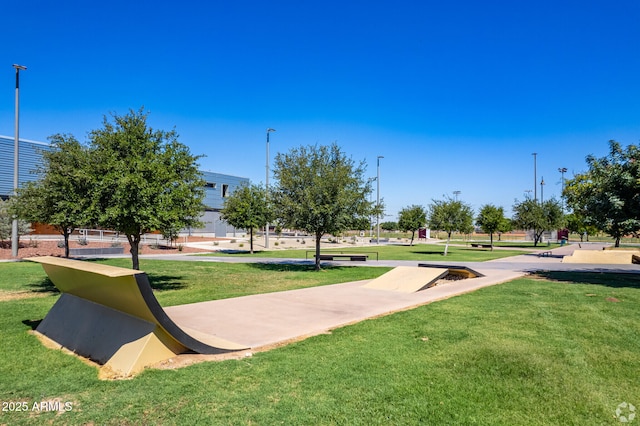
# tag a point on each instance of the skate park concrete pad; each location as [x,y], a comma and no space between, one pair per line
[614,257]
[110,315]
[265,321]
[407,279]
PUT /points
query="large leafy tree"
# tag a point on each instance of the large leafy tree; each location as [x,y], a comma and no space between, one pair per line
[60,197]
[320,190]
[411,219]
[247,208]
[450,216]
[539,217]
[142,179]
[491,219]
[607,195]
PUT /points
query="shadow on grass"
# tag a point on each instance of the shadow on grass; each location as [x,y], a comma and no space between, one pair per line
[614,280]
[292,267]
[429,252]
[33,324]
[165,282]
[45,285]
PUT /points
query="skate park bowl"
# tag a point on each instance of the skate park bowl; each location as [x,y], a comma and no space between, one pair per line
[410,279]
[613,257]
[111,316]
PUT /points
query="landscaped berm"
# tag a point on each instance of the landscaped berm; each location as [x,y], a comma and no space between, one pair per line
[110,315]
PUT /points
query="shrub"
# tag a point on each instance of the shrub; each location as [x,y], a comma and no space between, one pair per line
[60,244]
[241,245]
[233,241]
[215,243]
[33,243]
[180,247]
[83,241]
[275,244]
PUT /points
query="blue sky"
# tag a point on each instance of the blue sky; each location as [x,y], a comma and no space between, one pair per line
[455,95]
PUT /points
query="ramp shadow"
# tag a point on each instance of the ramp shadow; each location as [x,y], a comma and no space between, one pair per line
[608,279]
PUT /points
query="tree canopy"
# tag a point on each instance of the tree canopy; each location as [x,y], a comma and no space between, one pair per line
[491,219]
[59,198]
[450,216]
[539,217]
[607,195]
[247,208]
[142,179]
[320,190]
[411,219]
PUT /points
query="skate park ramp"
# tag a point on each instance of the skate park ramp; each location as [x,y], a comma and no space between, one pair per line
[613,257]
[111,316]
[407,279]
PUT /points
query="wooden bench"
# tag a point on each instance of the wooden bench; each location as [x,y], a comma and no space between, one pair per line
[342,256]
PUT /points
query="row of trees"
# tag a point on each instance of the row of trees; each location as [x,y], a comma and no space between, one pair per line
[455,216]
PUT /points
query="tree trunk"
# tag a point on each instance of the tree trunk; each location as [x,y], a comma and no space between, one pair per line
[617,242]
[491,238]
[446,247]
[413,233]
[251,240]
[134,242]
[318,236]
[65,234]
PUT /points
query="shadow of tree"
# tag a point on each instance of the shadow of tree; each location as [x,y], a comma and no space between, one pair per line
[165,282]
[45,285]
[609,279]
[292,267]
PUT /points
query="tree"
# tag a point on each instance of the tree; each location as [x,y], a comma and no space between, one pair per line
[247,208]
[142,179]
[576,224]
[411,219]
[320,190]
[59,197]
[490,219]
[607,196]
[450,215]
[505,226]
[539,217]
[389,226]
[7,212]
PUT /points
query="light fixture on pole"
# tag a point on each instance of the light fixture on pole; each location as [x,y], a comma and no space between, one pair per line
[378,202]
[266,227]
[542,190]
[535,177]
[14,227]
[456,193]
[562,171]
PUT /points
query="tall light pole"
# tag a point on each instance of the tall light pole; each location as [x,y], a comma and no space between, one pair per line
[456,193]
[562,171]
[266,227]
[535,177]
[378,202]
[542,190]
[371,179]
[14,228]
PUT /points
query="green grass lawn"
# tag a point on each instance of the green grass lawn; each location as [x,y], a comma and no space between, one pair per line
[418,252]
[557,349]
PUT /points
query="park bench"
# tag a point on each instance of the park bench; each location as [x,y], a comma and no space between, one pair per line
[545,254]
[111,316]
[343,256]
[478,245]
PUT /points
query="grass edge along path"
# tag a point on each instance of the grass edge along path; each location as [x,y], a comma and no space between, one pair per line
[561,348]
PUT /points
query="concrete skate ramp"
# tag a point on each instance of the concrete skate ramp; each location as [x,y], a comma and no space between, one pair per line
[614,257]
[407,279]
[110,315]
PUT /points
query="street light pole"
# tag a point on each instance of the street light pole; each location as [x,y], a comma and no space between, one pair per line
[456,193]
[16,157]
[562,171]
[266,228]
[535,177]
[371,179]
[378,202]
[542,190]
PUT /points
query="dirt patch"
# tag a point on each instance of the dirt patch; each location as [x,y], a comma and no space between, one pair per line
[32,248]
[6,296]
